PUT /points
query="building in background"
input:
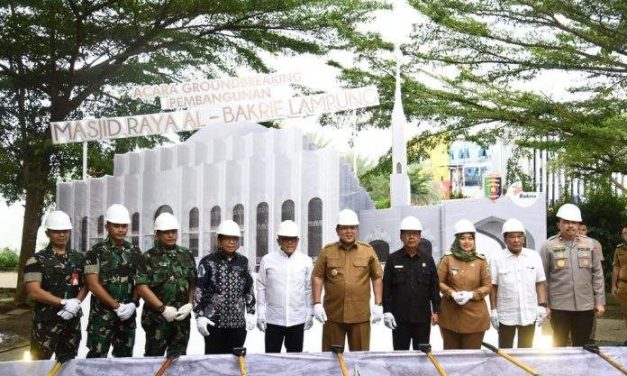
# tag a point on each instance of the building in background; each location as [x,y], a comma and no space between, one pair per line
[251,174]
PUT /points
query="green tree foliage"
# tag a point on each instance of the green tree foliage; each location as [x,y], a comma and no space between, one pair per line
[484,69]
[63,60]
[516,174]
[8,259]
[420,184]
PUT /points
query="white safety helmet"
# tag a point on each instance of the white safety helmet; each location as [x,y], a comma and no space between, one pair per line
[347,217]
[463,226]
[288,229]
[512,225]
[411,223]
[58,220]
[569,212]
[165,222]
[118,214]
[229,228]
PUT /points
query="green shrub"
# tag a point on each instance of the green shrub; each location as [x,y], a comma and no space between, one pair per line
[8,259]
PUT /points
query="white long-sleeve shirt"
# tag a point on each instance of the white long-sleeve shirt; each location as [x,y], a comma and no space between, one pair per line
[284,288]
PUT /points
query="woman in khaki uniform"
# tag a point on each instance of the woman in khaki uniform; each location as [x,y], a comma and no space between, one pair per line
[464,282]
[619,274]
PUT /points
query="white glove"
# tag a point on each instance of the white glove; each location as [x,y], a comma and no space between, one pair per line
[261,323]
[456,296]
[201,324]
[462,297]
[251,320]
[72,306]
[309,322]
[376,313]
[389,320]
[169,313]
[494,318]
[183,312]
[65,315]
[540,315]
[125,311]
[319,312]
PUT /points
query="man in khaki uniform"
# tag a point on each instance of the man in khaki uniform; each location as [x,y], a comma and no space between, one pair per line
[619,273]
[574,279]
[345,268]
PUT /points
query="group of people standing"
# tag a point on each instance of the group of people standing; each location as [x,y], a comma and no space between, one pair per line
[562,282]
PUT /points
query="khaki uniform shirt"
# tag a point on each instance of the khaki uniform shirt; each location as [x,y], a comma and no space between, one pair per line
[573,272]
[347,274]
[620,262]
[457,275]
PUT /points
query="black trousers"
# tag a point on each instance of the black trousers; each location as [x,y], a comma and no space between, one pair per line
[576,325]
[292,336]
[525,335]
[223,340]
[410,332]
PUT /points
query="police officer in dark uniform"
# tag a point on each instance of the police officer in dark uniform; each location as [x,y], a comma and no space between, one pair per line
[54,279]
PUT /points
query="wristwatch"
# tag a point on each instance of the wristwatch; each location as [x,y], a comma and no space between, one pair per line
[63,301]
[161,309]
[543,305]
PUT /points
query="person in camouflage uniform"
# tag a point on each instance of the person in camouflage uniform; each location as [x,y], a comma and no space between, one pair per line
[54,279]
[165,280]
[109,273]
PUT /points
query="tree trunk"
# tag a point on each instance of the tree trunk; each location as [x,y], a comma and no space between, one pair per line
[35,201]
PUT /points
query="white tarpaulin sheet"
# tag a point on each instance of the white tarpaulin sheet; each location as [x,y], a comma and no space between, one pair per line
[564,361]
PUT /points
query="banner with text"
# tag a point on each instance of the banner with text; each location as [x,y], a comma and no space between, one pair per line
[197,117]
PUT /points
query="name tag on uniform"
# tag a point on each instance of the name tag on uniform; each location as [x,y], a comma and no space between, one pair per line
[399,266]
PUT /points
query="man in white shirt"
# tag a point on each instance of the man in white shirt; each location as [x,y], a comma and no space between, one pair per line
[284,293]
[518,296]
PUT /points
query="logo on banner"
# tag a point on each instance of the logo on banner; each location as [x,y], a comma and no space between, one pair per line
[492,187]
[521,198]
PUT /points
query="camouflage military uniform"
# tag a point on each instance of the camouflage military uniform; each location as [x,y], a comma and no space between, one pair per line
[170,274]
[116,269]
[62,276]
